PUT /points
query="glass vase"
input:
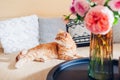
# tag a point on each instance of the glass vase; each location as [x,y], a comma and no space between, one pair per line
[101,53]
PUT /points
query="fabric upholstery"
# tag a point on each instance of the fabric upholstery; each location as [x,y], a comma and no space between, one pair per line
[19,33]
[49,27]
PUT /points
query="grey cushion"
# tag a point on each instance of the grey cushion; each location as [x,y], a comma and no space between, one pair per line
[116,33]
[49,27]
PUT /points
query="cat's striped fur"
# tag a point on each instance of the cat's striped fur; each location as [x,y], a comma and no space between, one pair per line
[64,48]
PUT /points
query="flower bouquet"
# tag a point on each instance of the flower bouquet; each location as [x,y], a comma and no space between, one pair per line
[98,16]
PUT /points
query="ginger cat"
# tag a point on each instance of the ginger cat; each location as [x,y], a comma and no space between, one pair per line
[64,48]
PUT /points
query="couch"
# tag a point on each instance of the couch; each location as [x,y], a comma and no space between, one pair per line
[35,70]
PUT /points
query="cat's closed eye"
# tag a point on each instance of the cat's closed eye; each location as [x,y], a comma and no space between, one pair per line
[58,38]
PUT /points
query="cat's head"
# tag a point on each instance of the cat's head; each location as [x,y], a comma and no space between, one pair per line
[64,38]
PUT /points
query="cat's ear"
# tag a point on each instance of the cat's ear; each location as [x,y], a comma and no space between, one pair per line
[65,34]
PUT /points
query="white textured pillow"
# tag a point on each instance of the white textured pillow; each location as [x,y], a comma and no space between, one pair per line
[19,33]
[49,27]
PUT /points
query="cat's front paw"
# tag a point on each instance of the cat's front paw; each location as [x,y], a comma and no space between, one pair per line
[20,63]
[17,65]
[77,56]
[21,55]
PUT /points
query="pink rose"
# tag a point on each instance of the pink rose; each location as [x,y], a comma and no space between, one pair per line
[81,7]
[99,2]
[99,20]
[114,5]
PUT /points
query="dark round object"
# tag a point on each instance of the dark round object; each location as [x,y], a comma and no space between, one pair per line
[75,70]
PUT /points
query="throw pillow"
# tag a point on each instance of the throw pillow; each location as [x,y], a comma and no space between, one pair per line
[116,31]
[79,33]
[82,36]
[19,33]
[49,27]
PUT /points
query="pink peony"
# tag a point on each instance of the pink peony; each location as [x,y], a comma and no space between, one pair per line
[114,5]
[73,2]
[99,2]
[81,7]
[72,9]
[99,20]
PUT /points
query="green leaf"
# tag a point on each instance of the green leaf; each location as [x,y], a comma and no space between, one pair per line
[115,21]
[106,3]
[88,0]
[116,17]
[76,20]
[67,17]
[79,17]
[116,13]
[92,4]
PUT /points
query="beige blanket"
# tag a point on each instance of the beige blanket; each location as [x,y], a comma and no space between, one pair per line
[36,70]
